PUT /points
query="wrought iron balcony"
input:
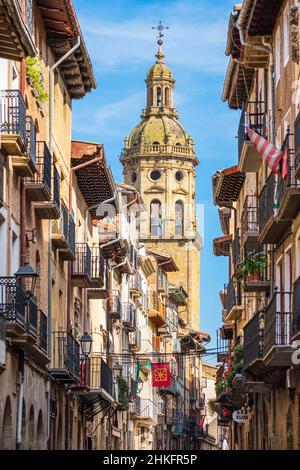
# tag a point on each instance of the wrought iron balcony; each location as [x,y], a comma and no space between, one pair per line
[31,140]
[13,122]
[296,309]
[99,279]
[148,410]
[253,343]
[254,117]
[236,250]
[135,407]
[135,340]
[176,388]
[13,304]
[278,330]
[101,377]
[65,358]
[136,289]
[114,305]
[234,299]
[129,316]
[223,348]
[81,266]
[250,223]
[39,186]
[63,235]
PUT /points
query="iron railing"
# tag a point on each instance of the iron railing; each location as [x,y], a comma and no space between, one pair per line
[13,114]
[290,181]
[13,301]
[296,307]
[278,321]
[114,304]
[135,338]
[97,263]
[234,295]
[43,166]
[82,263]
[266,202]
[254,118]
[31,138]
[43,331]
[67,227]
[129,314]
[71,234]
[65,353]
[236,249]
[106,378]
[148,409]
[250,215]
[32,317]
[2,328]
[56,188]
[253,340]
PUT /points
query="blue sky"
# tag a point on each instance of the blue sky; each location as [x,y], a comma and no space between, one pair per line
[122,45]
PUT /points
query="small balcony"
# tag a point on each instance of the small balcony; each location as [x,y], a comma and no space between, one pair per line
[129,316]
[13,124]
[115,305]
[81,266]
[136,289]
[296,310]
[147,411]
[65,358]
[63,235]
[2,343]
[297,146]
[135,340]
[234,306]
[44,188]
[157,311]
[250,222]
[236,250]
[101,378]
[176,388]
[253,344]
[163,286]
[135,408]
[278,331]
[254,118]
[99,280]
[25,324]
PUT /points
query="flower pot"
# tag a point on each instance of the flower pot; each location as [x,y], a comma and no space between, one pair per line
[253,277]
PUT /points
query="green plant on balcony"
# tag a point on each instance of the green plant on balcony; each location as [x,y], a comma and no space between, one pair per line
[123,397]
[231,368]
[251,267]
[36,79]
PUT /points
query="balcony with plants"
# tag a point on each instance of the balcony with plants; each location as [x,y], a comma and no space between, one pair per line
[253,272]
[227,388]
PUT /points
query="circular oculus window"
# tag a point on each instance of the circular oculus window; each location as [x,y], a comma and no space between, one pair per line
[155,175]
[179,176]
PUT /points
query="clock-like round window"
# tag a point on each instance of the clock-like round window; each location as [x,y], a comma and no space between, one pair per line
[155,175]
[179,176]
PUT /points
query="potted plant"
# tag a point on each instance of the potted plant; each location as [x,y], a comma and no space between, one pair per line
[35,78]
[251,267]
[123,392]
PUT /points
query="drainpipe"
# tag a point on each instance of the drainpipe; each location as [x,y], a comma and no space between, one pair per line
[51,119]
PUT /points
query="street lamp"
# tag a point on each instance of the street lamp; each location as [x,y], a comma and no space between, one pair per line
[86,344]
[27,272]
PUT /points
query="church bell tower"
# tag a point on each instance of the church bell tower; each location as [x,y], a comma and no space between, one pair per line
[159,160]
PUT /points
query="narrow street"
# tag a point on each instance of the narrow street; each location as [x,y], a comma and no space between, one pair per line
[150,227]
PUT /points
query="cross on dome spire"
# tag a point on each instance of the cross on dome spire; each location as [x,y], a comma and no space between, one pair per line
[160,55]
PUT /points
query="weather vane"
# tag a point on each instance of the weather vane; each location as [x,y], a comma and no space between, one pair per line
[160,29]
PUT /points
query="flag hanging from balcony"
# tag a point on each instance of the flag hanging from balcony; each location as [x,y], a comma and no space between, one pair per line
[161,374]
[267,151]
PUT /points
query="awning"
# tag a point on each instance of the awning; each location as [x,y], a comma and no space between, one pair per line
[62,29]
[263,17]
[166,262]
[228,186]
[222,245]
[95,181]
[178,295]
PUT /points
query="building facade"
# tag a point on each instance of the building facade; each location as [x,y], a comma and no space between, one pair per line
[259,215]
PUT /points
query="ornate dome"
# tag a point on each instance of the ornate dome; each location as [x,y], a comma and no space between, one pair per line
[158,130]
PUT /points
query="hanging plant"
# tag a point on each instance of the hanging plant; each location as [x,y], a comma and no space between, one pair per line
[251,267]
[212,407]
[35,77]
[123,392]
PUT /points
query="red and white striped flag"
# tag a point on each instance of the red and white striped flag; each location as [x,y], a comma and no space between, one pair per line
[267,151]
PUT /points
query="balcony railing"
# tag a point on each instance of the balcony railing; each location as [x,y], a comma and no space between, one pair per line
[13,301]
[114,304]
[97,264]
[56,188]
[101,375]
[266,202]
[234,295]
[135,340]
[297,145]
[296,308]
[31,138]
[43,331]
[253,340]
[290,182]
[250,224]
[148,409]
[254,118]
[13,114]
[64,234]
[43,167]
[65,357]
[136,284]
[129,315]
[278,321]
[82,263]
[236,249]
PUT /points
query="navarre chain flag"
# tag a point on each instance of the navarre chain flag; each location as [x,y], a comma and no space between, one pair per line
[161,374]
[267,151]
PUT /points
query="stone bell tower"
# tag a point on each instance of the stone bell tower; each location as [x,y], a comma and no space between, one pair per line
[159,160]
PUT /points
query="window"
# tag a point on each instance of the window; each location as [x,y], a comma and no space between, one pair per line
[179,212]
[167,97]
[277,56]
[155,219]
[155,175]
[133,177]
[179,176]
[286,44]
[158,97]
